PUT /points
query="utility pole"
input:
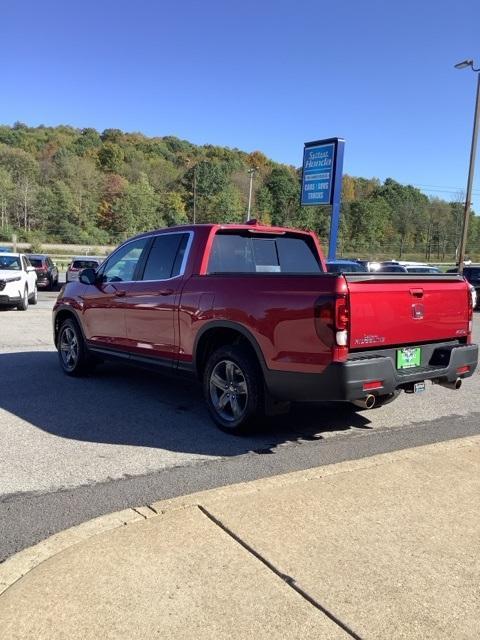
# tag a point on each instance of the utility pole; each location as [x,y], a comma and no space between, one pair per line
[252,172]
[471,168]
[194,194]
[190,163]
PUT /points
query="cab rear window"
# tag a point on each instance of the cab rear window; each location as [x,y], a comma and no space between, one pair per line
[242,253]
[36,262]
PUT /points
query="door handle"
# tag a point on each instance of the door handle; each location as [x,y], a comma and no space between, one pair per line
[165,292]
[418,293]
[120,294]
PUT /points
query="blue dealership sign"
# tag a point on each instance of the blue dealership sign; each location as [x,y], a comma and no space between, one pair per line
[319,171]
[322,180]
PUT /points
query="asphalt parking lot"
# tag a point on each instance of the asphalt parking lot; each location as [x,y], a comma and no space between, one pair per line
[59,434]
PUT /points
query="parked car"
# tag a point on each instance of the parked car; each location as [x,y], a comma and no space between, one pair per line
[391,267]
[370,265]
[471,273]
[422,268]
[250,311]
[18,281]
[47,272]
[78,264]
[345,266]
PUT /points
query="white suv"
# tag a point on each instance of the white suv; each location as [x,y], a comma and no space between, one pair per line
[18,281]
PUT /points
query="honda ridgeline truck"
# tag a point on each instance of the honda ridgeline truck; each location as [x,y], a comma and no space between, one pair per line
[252,311]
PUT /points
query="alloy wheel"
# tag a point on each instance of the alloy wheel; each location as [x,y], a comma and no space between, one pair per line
[228,390]
[69,348]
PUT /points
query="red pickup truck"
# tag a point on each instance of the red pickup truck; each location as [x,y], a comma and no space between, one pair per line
[252,312]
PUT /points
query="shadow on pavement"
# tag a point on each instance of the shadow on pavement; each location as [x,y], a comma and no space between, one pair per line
[129,406]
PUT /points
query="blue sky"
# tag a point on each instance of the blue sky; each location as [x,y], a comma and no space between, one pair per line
[264,74]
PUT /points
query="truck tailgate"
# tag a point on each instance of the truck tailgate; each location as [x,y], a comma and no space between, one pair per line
[396,309]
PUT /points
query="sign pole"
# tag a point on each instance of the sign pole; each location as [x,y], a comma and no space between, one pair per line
[337,199]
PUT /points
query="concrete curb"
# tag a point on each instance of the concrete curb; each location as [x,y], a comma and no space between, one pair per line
[18,565]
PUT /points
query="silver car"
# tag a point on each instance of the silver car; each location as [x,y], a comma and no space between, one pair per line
[80,263]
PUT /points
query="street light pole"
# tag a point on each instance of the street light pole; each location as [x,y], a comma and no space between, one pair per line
[252,173]
[471,169]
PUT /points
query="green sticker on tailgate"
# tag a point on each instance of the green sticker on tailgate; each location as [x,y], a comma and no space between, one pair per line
[408,357]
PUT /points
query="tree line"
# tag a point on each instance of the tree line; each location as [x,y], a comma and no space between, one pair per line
[81,186]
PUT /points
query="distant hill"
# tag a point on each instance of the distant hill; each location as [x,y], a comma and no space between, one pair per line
[82,186]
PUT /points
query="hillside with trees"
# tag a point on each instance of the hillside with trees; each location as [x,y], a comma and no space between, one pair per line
[80,186]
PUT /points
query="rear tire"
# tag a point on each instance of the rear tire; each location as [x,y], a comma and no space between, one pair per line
[23,305]
[72,352]
[233,389]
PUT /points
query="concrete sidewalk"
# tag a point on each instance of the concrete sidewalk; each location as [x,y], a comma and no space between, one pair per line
[384,547]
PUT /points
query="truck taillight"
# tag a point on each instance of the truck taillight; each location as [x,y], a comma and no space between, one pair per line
[342,318]
[341,314]
[332,322]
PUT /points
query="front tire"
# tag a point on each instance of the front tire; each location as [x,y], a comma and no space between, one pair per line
[23,305]
[34,298]
[72,352]
[233,389]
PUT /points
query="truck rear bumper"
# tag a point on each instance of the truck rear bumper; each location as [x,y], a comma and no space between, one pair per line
[345,380]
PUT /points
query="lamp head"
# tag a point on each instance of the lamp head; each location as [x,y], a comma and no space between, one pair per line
[464,64]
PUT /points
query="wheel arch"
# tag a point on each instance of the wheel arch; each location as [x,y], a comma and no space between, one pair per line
[62,314]
[220,333]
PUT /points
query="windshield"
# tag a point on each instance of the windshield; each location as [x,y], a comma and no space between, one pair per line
[11,263]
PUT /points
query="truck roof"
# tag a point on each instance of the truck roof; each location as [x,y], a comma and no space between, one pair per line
[252,225]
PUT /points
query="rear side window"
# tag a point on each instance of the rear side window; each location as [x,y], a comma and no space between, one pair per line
[232,253]
[36,262]
[165,258]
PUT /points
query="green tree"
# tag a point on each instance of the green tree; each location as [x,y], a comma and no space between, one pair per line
[226,206]
[264,205]
[171,208]
[284,188]
[7,189]
[88,139]
[136,209]
[110,157]
[366,223]
[408,206]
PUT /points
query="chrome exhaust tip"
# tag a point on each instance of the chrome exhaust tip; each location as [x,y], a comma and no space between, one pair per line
[366,403]
[455,385]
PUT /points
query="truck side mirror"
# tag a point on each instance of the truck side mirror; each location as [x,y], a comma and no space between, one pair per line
[88,276]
